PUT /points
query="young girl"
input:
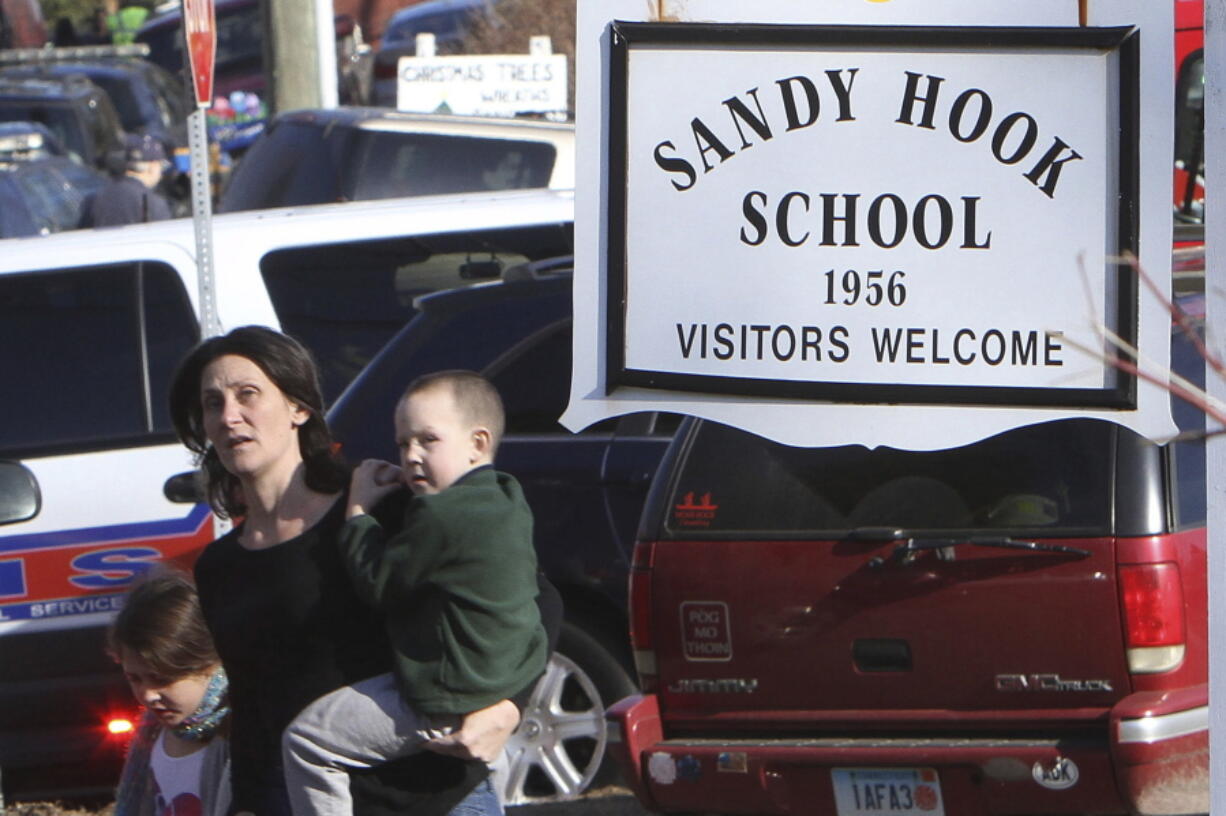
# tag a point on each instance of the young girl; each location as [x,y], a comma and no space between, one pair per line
[179,760]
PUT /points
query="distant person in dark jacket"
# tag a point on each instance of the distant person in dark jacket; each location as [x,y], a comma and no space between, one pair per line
[130,198]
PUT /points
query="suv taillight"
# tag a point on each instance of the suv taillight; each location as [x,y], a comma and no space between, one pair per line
[1152,598]
[640,614]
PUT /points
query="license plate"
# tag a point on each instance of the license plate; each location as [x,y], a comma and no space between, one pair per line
[877,791]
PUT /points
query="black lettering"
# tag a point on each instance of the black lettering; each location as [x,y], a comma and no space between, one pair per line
[672,164]
[915,344]
[848,218]
[721,339]
[754,217]
[1052,347]
[811,338]
[760,331]
[967,359]
[997,338]
[843,92]
[887,344]
[900,220]
[911,96]
[1050,165]
[1002,133]
[707,141]
[789,336]
[919,223]
[687,343]
[838,339]
[1025,348]
[789,101]
[740,113]
[781,219]
[959,107]
[936,348]
[969,205]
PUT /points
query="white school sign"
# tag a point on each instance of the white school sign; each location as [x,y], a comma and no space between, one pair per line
[871,222]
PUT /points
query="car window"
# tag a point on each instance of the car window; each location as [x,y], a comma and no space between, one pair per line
[345,301]
[126,103]
[292,164]
[389,164]
[1186,455]
[60,120]
[1046,479]
[90,353]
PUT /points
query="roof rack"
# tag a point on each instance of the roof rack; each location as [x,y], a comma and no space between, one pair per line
[10,56]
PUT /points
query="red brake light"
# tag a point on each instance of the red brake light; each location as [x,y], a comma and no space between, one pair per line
[120,726]
[1154,624]
[640,614]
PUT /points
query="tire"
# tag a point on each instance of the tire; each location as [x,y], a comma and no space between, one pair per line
[558,751]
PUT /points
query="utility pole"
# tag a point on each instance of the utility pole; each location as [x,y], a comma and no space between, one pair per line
[300,54]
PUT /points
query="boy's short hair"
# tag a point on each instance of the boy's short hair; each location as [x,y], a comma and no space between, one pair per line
[475,397]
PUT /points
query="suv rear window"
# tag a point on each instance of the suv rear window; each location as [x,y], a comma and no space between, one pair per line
[1048,478]
[296,163]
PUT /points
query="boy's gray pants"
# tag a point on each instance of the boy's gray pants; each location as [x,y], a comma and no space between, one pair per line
[356,726]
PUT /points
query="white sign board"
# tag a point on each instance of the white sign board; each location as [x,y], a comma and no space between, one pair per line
[856,229]
[505,85]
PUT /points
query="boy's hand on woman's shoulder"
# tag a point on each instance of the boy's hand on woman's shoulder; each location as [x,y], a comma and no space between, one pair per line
[370,482]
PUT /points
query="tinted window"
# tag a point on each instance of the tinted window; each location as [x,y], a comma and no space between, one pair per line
[1187,454]
[291,165]
[345,301]
[60,120]
[1042,479]
[90,353]
[123,97]
[386,165]
[297,163]
[534,381]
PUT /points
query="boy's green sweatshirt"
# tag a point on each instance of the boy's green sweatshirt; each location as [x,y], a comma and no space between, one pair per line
[458,588]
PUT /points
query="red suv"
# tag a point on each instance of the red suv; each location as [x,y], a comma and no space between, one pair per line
[1014,626]
[1017,626]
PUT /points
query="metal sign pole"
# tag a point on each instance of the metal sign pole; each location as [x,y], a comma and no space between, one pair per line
[202,221]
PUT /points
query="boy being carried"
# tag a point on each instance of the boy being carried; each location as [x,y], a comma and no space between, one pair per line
[457,586]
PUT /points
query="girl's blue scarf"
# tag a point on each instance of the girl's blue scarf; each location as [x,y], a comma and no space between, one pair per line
[135,783]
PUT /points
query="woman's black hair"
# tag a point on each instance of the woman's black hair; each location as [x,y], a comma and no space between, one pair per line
[292,369]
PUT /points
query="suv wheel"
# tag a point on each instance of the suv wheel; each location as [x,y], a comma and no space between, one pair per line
[558,751]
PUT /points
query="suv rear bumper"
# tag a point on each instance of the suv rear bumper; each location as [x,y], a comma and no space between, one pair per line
[1161,768]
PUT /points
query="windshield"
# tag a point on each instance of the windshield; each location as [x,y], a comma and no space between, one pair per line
[59,120]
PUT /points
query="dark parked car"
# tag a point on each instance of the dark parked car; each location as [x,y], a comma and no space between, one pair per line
[1014,626]
[44,195]
[447,20]
[77,111]
[361,154]
[147,99]
[585,490]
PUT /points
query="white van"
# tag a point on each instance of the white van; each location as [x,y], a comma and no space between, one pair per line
[92,325]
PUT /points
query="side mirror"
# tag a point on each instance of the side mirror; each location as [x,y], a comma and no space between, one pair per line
[185,488]
[20,498]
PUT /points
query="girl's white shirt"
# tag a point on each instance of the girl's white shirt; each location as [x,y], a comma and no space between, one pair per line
[176,777]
